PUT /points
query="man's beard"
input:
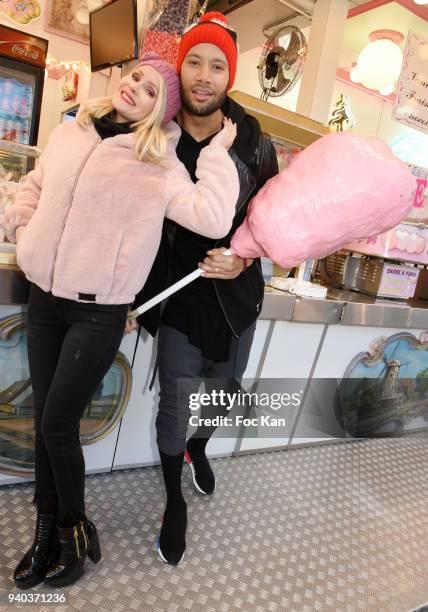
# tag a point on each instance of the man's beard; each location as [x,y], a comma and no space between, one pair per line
[203,109]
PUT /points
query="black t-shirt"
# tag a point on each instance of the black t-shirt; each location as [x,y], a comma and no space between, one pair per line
[195,310]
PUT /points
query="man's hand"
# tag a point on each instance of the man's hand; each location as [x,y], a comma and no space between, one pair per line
[130,326]
[226,267]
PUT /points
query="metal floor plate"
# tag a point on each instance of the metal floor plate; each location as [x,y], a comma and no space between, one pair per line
[334,527]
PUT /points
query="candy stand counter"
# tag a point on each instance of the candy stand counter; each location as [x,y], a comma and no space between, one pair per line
[304,341]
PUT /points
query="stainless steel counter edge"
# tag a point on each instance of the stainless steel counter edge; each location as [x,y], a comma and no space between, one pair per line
[385,315]
[315,310]
[281,306]
[277,305]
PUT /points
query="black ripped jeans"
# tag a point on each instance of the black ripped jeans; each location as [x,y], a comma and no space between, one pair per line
[71,346]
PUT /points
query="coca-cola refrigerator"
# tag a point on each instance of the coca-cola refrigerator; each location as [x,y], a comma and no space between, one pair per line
[22,75]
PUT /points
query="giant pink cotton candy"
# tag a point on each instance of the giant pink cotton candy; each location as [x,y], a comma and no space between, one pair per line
[341,188]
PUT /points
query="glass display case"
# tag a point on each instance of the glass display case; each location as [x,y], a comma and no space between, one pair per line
[15,162]
[17,159]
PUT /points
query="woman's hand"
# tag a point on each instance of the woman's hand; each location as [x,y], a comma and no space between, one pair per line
[130,326]
[226,136]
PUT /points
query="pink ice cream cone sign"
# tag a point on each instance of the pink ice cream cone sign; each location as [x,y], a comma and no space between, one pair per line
[342,188]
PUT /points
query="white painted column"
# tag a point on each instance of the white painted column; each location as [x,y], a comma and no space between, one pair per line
[325,40]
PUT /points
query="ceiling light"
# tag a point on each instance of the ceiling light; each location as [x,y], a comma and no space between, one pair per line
[379,63]
[387,90]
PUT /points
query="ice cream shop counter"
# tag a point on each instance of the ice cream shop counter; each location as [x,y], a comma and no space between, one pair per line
[347,335]
[299,342]
[13,284]
[345,308]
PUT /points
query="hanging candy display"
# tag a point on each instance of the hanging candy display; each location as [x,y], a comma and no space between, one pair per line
[165,24]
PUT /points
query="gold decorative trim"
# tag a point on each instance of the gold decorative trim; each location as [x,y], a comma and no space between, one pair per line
[14,322]
[124,364]
[8,259]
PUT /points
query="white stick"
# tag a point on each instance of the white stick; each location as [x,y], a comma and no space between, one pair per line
[301,271]
[173,289]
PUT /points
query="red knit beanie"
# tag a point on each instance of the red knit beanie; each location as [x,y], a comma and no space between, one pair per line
[211,28]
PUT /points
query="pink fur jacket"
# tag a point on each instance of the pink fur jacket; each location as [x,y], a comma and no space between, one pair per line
[93,213]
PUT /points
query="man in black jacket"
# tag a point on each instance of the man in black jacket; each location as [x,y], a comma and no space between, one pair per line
[207,328]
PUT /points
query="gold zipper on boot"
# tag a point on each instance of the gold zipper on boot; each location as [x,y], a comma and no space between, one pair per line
[84,535]
[76,539]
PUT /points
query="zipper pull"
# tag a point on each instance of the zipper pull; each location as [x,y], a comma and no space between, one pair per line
[82,529]
[76,539]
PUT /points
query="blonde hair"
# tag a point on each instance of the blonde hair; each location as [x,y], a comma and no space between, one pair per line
[151,138]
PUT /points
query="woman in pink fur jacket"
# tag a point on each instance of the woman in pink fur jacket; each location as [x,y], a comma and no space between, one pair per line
[88,223]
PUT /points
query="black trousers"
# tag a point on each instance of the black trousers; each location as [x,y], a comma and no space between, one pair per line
[71,346]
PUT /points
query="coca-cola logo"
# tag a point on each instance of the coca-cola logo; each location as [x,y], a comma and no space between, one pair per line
[33,55]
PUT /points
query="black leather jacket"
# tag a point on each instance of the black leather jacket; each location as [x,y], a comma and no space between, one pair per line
[241,298]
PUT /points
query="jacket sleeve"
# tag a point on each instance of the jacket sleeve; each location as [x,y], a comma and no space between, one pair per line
[268,162]
[206,207]
[156,282]
[25,204]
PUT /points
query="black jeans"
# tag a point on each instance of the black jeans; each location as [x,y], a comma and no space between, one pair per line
[71,346]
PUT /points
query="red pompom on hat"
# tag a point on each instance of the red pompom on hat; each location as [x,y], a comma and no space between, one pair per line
[211,28]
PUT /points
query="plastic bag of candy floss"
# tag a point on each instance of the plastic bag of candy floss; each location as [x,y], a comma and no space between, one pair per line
[343,187]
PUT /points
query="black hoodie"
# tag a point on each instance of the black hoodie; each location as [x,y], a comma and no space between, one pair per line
[237,301]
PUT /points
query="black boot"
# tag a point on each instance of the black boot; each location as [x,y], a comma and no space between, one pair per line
[75,543]
[202,474]
[172,539]
[45,550]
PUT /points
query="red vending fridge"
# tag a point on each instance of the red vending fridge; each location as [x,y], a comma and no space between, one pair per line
[22,75]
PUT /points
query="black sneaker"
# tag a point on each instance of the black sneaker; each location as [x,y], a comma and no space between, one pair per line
[202,474]
[171,543]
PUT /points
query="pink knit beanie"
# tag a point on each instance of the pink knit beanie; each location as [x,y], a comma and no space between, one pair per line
[172,82]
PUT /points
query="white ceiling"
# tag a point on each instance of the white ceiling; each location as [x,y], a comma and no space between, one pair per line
[250,19]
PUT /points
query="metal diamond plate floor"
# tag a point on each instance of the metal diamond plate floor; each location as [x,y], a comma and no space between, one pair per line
[337,527]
